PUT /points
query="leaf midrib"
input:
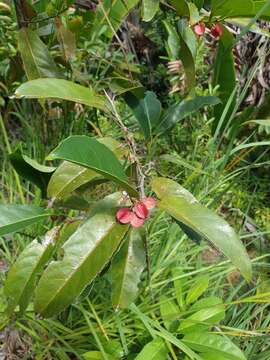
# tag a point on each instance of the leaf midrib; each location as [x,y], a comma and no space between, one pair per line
[61,289]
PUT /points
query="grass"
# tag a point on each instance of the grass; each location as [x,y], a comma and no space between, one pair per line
[229,184]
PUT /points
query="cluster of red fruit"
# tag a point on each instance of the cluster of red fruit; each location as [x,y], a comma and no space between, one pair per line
[136,215]
[216,30]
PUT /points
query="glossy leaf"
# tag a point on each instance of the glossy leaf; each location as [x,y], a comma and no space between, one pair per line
[61,89]
[89,153]
[211,227]
[127,267]
[21,278]
[147,111]
[149,9]
[182,205]
[86,253]
[30,170]
[169,311]
[166,187]
[17,217]
[221,345]
[197,289]
[185,108]
[69,176]
[36,58]
[224,76]
[154,350]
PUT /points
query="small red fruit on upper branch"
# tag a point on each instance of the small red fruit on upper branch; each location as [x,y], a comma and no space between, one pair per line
[199,29]
[217,30]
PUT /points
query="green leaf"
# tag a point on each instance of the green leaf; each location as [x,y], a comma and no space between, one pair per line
[89,153]
[202,319]
[147,111]
[188,36]
[30,170]
[211,227]
[149,9]
[224,77]
[234,8]
[197,289]
[127,267]
[86,253]
[173,42]
[185,108]
[179,287]
[97,355]
[21,278]
[169,311]
[194,13]
[61,89]
[180,6]
[154,350]
[35,55]
[221,345]
[17,217]
[69,176]
[111,14]
[166,187]
[182,205]
[212,356]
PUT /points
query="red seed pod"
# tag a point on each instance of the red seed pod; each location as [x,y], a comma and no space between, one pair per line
[140,210]
[136,222]
[124,215]
[199,29]
[217,30]
[149,202]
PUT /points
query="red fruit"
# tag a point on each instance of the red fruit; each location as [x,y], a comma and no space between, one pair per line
[124,215]
[136,222]
[149,202]
[140,210]
[199,29]
[217,30]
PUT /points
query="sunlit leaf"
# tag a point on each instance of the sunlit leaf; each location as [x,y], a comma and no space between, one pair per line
[181,205]
[204,342]
[69,176]
[90,153]
[61,89]
[149,9]
[85,254]
[154,350]
[127,266]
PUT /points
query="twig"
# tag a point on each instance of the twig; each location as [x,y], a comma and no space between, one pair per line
[131,143]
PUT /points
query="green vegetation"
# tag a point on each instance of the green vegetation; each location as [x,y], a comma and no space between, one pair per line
[134,203]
